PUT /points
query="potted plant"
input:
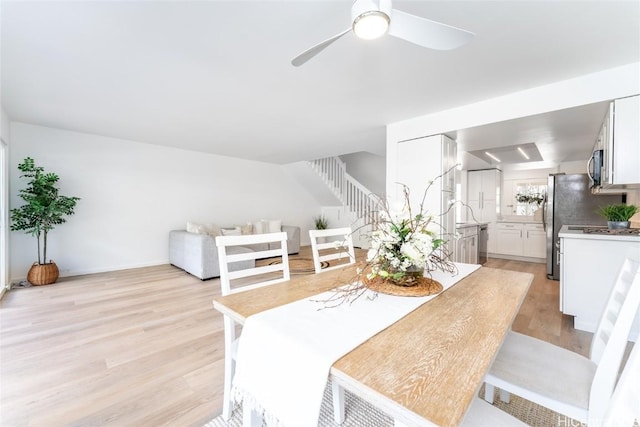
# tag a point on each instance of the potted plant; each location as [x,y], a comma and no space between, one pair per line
[618,215]
[44,209]
[320,222]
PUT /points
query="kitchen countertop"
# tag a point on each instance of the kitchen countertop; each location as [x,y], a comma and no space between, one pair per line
[578,234]
[470,224]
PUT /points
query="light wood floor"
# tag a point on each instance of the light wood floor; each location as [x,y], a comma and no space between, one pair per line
[144,347]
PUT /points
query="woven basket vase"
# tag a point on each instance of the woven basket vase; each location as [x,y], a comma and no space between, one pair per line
[43,274]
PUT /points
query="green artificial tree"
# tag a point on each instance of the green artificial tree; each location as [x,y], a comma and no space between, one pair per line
[44,208]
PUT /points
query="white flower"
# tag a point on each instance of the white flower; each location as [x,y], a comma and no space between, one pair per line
[411,251]
[372,254]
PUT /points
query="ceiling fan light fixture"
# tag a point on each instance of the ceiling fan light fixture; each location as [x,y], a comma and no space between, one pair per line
[371,24]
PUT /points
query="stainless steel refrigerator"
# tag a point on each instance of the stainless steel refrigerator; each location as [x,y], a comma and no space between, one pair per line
[570,202]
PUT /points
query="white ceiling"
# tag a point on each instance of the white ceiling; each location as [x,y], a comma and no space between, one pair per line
[560,136]
[216,76]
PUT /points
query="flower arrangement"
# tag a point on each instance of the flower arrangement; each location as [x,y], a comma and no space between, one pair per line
[404,246]
[402,243]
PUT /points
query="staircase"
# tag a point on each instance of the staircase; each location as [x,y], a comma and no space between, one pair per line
[358,202]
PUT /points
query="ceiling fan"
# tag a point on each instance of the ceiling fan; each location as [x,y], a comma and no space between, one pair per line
[374,18]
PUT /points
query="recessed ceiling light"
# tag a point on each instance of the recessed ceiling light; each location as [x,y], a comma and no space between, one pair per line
[492,156]
[523,153]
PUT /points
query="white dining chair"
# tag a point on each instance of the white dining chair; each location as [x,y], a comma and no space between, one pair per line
[483,414]
[338,247]
[622,409]
[234,279]
[561,380]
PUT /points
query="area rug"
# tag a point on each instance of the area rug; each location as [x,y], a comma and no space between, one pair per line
[301,265]
[359,413]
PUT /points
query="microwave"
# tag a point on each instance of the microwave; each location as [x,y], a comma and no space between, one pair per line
[595,168]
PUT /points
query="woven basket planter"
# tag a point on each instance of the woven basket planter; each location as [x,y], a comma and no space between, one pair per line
[43,274]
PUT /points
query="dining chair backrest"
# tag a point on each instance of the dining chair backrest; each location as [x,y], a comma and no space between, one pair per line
[624,406]
[620,312]
[266,275]
[338,245]
[238,273]
[613,306]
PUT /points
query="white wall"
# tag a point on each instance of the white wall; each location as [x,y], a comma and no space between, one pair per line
[369,169]
[4,200]
[4,125]
[133,194]
[605,85]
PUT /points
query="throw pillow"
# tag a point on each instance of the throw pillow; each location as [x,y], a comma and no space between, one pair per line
[231,231]
[259,228]
[274,225]
[194,227]
[267,226]
[213,230]
[209,229]
[246,229]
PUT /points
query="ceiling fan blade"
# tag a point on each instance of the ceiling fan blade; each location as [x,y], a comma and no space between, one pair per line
[311,52]
[427,33]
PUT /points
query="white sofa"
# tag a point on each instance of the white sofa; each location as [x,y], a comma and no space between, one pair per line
[197,254]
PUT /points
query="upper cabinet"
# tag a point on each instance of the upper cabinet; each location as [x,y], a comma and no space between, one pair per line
[484,188]
[616,154]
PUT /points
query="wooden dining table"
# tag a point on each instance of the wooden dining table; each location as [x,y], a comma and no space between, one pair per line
[426,368]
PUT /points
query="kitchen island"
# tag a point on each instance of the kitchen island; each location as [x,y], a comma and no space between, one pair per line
[589,264]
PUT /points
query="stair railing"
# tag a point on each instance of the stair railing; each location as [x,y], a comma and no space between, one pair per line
[355,197]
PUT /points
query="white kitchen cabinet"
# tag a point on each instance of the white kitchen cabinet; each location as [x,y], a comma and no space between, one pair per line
[589,264]
[625,147]
[618,141]
[484,189]
[421,161]
[483,194]
[521,239]
[509,239]
[467,245]
[535,241]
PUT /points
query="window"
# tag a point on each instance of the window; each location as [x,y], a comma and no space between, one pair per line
[529,197]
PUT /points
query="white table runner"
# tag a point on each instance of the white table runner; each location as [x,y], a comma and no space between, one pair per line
[285,354]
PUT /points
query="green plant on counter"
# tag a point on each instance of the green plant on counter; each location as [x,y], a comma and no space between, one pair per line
[536,198]
[617,212]
[320,222]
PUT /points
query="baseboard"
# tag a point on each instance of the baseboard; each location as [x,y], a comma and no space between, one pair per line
[519,258]
[69,273]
